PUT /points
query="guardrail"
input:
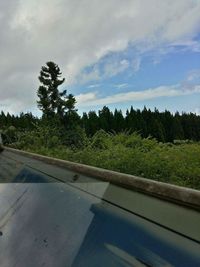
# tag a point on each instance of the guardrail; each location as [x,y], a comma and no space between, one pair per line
[176,194]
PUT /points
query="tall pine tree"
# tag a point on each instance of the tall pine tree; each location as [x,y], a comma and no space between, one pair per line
[51,101]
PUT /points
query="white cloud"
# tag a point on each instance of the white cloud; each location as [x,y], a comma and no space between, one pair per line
[194,76]
[136,63]
[94,85]
[107,69]
[121,85]
[89,76]
[115,67]
[76,34]
[192,81]
[86,98]
[192,45]
[152,93]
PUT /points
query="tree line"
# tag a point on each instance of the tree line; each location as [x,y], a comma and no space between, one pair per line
[58,110]
[164,126]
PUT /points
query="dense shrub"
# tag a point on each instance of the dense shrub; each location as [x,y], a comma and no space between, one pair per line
[177,163]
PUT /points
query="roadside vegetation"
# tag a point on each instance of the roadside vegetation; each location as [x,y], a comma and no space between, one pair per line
[177,163]
[155,145]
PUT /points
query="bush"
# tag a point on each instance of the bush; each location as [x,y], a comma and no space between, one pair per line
[177,163]
[100,140]
[75,138]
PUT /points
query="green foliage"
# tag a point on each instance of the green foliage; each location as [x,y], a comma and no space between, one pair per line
[100,140]
[9,135]
[75,138]
[156,145]
[177,163]
[49,96]
[40,136]
[52,102]
[133,144]
[163,126]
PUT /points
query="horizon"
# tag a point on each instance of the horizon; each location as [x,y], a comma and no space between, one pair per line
[39,116]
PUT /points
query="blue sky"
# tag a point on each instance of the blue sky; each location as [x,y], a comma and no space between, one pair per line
[111,52]
[179,66]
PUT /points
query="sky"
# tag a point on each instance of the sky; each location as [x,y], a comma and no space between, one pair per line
[111,52]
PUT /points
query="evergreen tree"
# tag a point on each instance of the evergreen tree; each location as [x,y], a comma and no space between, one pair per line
[147,118]
[167,122]
[157,130]
[105,119]
[93,123]
[51,101]
[84,123]
[131,120]
[119,121]
[177,129]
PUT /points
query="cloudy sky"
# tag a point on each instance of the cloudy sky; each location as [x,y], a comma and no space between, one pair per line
[111,52]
